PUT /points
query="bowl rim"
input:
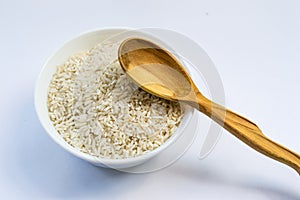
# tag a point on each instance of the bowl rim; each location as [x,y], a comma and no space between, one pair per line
[111,163]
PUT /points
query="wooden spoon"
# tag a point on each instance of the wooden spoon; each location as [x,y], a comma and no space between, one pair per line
[158,72]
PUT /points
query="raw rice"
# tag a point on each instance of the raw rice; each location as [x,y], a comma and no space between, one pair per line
[96,108]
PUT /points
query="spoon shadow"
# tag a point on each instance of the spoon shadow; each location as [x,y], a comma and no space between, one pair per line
[207,176]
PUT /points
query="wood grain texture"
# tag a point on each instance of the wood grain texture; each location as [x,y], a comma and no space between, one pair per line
[247,131]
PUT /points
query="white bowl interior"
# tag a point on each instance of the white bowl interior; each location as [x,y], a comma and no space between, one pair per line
[83,43]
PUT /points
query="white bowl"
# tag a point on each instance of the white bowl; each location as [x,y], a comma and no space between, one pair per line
[81,43]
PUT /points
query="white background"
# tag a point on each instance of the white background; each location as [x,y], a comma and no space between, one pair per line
[255,46]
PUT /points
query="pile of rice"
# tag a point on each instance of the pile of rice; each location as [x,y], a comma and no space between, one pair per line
[96,108]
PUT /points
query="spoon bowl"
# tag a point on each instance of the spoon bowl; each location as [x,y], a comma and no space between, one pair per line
[149,56]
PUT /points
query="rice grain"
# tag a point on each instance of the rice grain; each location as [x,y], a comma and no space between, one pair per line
[97,109]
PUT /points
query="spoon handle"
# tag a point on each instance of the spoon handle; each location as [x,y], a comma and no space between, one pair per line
[248,132]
